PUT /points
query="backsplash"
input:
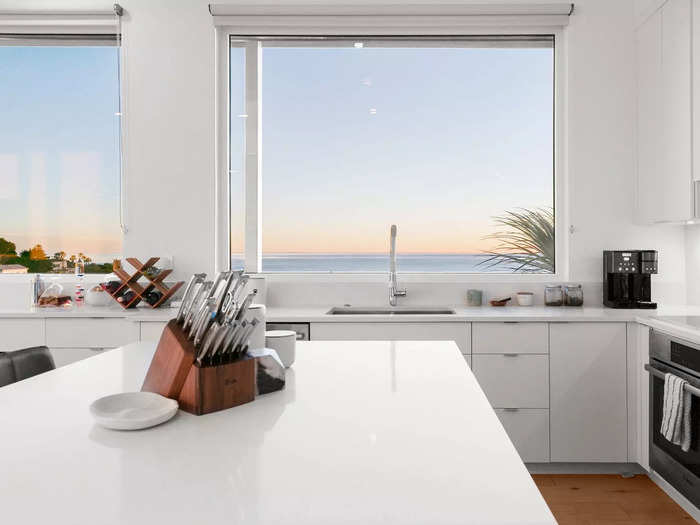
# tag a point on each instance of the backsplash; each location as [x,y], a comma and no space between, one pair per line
[329,293]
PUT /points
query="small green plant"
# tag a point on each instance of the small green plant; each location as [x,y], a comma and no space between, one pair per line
[526,244]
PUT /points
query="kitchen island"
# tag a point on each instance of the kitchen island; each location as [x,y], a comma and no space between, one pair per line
[364,433]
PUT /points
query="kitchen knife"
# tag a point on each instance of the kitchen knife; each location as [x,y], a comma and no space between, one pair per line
[224,292]
[199,316]
[207,343]
[244,305]
[244,339]
[239,335]
[232,306]
[193,307]
[207,319]
[187,296]
[216,343]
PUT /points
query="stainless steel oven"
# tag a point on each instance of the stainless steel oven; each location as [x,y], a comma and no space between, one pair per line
[669,354]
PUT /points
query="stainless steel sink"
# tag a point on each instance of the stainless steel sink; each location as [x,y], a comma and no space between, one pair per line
[397,310]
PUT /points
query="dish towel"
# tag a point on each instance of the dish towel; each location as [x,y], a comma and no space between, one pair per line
[675,420]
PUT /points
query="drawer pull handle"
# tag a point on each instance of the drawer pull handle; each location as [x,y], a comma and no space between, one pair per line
[511,355]
[510,322]
[511,409]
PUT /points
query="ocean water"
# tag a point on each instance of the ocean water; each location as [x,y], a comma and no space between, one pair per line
[370,263]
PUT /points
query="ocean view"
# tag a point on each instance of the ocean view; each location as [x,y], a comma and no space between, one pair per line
[362,263]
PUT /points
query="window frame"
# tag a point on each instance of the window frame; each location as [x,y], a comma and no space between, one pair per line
[45,31]
[253,181]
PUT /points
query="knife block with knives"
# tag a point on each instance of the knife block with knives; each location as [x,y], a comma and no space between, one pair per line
[203,360]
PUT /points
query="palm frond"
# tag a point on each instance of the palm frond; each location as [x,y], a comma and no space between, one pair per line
[527,242]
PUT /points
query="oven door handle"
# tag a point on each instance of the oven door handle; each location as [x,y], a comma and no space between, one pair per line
[661,374]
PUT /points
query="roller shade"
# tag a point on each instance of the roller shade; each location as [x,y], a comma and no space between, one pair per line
[59,22]
[252,19]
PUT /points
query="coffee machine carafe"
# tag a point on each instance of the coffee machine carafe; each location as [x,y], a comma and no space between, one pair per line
[627,278]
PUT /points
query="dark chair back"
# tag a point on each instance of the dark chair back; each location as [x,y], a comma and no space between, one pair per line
[7,370]
[29,362]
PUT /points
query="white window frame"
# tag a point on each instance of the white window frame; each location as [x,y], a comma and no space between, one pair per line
[271,21]
[71,28]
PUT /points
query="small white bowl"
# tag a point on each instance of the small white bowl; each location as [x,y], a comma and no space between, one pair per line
[525,298]
[133,410]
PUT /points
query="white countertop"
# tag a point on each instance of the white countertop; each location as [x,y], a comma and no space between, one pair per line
[364,433]
[318,314]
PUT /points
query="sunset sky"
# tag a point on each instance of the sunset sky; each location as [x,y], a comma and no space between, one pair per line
[436,141]
[58,148]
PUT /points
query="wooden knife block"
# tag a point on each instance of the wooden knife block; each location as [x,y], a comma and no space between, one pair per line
[199,390]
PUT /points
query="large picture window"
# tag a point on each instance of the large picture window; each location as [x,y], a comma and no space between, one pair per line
[451,139]
[59,155]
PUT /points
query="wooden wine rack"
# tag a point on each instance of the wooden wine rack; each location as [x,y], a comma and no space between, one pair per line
[131,282]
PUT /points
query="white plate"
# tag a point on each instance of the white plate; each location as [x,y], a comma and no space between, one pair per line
[133,410]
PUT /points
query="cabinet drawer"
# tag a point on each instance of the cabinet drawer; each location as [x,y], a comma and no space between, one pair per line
[66,356]
[500,338]
[457,332]
[88,333]
[518,381]
[528,429]
[21,333]
[151,331]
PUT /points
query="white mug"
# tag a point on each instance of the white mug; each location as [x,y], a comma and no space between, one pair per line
[284,343]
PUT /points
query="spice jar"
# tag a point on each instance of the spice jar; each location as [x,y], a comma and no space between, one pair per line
[573,295]
[553,295]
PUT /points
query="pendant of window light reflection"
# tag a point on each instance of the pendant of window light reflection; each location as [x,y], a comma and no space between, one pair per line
[372,111]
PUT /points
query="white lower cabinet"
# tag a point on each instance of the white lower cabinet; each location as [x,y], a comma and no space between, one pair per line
[459,332]
[21,333]
[504,337]
[588,412]
[151,331]
[528,429]
[89,333]
[66,356]
[513,380]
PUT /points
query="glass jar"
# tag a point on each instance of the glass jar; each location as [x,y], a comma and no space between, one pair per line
[573,295]
[553,295]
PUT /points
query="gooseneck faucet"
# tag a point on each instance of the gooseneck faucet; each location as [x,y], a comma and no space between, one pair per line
[394,292]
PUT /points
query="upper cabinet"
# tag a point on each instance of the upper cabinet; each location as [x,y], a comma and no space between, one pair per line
[665,119]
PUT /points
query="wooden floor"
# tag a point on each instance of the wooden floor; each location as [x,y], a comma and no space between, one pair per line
[608,500]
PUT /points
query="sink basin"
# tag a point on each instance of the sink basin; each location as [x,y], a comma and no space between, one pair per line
[398,310]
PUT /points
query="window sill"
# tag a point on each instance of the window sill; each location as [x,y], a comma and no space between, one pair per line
[413,277]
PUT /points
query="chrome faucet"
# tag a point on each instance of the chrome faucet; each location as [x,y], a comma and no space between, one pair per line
[394,292]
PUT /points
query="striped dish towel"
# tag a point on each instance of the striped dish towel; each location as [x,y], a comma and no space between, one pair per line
[675,420]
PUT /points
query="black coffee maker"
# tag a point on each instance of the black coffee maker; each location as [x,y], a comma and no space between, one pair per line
[627,278]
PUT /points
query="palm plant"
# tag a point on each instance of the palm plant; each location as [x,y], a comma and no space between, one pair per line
[527,242]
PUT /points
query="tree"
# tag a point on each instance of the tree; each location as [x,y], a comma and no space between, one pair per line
[37,253]
[73,258]
[87,259]
[24,254]
[59,256]
[7,247]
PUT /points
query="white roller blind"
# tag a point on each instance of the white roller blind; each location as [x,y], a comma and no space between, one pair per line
[254,19]
[58,22]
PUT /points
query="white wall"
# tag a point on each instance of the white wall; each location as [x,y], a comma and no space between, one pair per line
[601,148]
[170,137]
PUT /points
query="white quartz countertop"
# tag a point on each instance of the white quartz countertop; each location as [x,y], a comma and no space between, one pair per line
[370,433]
[318,314]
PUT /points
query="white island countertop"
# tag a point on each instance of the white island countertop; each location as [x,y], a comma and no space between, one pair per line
[364,433]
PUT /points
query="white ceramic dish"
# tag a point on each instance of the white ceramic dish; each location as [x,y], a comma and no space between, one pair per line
[525,298]
[133,410]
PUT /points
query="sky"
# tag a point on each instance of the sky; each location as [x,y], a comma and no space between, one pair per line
[59,182]
[435,140]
